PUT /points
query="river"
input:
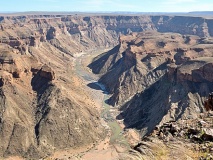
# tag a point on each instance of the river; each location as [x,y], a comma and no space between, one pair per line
[83,72]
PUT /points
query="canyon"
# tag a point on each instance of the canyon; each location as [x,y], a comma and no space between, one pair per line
[156,69]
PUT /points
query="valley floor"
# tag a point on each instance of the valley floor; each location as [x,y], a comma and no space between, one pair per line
[116,144]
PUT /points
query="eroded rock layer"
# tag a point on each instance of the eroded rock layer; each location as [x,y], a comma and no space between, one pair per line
[42,105]
[88,32]
[157,77]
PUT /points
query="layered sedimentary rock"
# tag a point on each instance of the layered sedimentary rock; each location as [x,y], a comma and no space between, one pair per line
[39,110]
[88,32]
[40,107]
[141,59]
[156,77]
[179,94]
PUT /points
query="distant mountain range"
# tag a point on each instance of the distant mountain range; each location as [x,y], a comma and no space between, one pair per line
[201,13]
[194,13]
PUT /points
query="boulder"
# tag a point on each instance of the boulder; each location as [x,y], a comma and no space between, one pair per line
[193,131]
[47,72]
[208,134]
[202,123]
[174,129]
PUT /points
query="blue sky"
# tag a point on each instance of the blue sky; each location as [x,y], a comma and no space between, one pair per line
[107,5]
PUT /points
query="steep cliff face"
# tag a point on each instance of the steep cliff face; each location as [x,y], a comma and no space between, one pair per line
[184,25]
[39,110]
[157,78]
[40,107]
[141,59]
[69,34]
[179,94]
[72,34]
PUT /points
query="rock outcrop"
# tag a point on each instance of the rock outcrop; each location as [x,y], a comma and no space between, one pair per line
[52,33]
[45,71]
[186,138]
[40,107]
[89,32]
[39,112]
[208,104]
[142,59]
[148,64]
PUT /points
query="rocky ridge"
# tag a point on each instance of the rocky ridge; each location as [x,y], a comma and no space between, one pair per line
[41,99]
[141,59]
[40,111]
[145,65]
[186,139]
[89,32]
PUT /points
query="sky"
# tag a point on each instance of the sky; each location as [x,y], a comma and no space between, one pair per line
[106,5]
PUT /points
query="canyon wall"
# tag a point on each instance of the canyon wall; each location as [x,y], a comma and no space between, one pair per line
[42,106]
[157,77]
[89,32]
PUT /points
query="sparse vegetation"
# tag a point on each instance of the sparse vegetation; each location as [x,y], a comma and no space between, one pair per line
[47,104]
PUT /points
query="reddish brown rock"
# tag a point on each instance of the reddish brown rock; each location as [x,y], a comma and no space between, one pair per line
[40,108]
[47,72]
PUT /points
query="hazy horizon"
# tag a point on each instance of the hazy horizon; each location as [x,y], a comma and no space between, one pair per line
[152,6]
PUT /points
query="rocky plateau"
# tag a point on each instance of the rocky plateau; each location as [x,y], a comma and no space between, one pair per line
[158,74]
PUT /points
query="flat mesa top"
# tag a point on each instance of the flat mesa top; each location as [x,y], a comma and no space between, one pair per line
[191,14]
